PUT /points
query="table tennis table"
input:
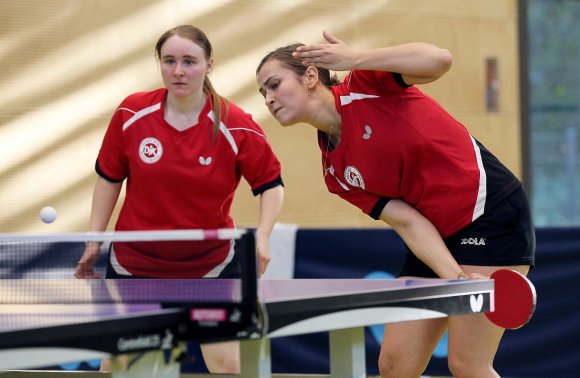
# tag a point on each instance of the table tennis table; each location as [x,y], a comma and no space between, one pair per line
[150,318]
[46,322]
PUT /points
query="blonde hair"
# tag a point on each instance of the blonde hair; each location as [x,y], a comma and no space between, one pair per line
[199,38]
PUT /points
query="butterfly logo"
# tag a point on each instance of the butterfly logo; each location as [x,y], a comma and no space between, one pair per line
[476,302]
[205,161]
[368,132]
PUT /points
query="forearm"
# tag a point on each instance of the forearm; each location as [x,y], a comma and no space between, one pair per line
[270,206]
[426,243]
[105,196]
[422,238]
[417,60]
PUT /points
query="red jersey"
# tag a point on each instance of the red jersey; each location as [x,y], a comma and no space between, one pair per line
[397,142]
[181,180]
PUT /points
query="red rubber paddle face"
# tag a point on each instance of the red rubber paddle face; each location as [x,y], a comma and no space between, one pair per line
[514,299]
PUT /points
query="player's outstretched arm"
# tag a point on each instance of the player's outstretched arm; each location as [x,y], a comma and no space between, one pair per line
[422,238]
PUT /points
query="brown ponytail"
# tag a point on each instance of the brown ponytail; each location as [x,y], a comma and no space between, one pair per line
[216,105]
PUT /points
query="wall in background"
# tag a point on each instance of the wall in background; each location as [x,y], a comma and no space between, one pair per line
[66,64]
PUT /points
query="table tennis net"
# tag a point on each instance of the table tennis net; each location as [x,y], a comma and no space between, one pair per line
[39,269]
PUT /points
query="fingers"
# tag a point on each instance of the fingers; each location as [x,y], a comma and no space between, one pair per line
[87,275]
[316,49]
[333,55]
[330,38]
[476,276]
[86,271]
[263,261]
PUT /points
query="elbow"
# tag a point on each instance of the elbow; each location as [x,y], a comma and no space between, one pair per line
[444,60]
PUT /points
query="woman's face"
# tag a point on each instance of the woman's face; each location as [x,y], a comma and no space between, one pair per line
[285,93]
[183,66]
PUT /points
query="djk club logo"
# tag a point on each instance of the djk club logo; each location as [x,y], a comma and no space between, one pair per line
[150,150]
[353,177]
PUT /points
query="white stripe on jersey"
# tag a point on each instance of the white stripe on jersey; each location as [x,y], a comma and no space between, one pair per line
[482,192]
[218,269]
[227,132]
[117,267]
[345,100]
[343,185]
[140,114]
[246,129]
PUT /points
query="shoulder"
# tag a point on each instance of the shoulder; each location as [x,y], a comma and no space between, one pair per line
[238,120]
[236,113]
[139,100]
[137,106]
[368,80]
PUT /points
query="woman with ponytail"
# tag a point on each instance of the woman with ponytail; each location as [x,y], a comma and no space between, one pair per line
[182,150]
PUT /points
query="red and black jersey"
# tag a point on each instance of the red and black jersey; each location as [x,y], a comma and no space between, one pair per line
[180,179]
[397,142]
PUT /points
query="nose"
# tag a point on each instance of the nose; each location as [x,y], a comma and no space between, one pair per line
[178,71]
[268,99]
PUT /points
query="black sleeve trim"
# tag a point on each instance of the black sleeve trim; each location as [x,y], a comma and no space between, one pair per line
[103,175]
[399,80]
[277,182]
[378,208]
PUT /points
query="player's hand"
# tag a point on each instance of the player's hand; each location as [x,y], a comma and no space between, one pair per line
[263,252]
[471,276]
[85,268]
[334,55]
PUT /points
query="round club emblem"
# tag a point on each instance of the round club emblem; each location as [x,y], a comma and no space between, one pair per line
[150,150]
[353,177]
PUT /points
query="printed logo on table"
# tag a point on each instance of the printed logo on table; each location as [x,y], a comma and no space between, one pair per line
[150,150]
[476,302]
[152,341]
[353,177]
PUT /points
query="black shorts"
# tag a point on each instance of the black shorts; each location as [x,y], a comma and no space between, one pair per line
[504,235]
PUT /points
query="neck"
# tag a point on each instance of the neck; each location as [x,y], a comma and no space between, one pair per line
[183,112]
[326,118]
[186,105]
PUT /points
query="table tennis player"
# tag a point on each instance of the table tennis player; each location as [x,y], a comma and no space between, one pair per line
[396,154]
[182,150]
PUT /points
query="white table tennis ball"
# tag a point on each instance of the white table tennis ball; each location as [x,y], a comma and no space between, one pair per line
[48,214]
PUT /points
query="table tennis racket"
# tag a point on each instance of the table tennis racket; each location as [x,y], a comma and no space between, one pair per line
[514,299]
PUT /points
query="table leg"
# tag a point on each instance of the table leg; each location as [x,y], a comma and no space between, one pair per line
[347,353]
[255,358]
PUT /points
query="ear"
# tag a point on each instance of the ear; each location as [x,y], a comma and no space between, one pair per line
[209,67]
[311,76]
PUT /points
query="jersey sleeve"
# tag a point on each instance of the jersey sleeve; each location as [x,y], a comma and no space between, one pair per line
[256,159]
[369,203]
[379,82]
[112,164]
